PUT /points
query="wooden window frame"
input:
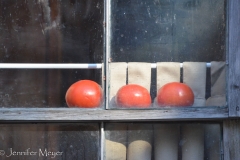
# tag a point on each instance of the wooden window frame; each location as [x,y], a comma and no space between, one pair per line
[189,113]
[228,114]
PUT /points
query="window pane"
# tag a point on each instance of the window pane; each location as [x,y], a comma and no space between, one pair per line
[190,33]
[40,88]
[168,30]
[51,31]
[163,141]
[49,141]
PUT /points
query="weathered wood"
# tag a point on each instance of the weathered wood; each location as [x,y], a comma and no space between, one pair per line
[233,86]
[75,114]
[231,139]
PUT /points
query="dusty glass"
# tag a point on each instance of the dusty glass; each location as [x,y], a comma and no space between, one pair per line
[48,32]
[157,42]
[168,30]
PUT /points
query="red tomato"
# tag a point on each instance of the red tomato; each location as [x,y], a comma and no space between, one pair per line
[175,94]
[133,95]
[84,94]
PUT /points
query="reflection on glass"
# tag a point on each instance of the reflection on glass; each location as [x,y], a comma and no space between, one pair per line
[40,88]
[51,31]
[168,30]
[51,141]
[163,141]
[179,31]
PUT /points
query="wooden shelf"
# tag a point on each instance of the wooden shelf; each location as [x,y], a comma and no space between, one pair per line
[75,114]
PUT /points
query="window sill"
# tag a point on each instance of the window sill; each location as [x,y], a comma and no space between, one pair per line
[76,114]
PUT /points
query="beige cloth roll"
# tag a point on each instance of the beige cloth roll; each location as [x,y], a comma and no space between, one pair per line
[218,85]
[192,142]
[139,142]
[166,139]
[116,141]
[213,141]
[166,136]
[167,72]
[139,135]
[139,73]
[117,79]
[116,138]
[194,75]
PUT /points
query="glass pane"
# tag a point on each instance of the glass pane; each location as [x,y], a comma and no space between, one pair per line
[168,30]
[51,31]
[163,141]
[49,141]
[190,33]
[40,88]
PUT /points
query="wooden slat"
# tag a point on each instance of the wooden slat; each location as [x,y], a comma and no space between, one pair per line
[75,114]
[231,139]
[233,75]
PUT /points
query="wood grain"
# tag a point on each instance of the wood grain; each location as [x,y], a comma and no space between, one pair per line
[233,74]
[231,139]
[75,114]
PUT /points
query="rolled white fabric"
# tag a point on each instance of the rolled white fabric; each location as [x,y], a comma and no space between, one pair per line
[166,136]
[194,75]
[116,141]
[213,141]
[117,79]
[139,142]
[139,73]
[192,142]
[167,72]
[115,150]
[166,139]
[139,135]
[116,134]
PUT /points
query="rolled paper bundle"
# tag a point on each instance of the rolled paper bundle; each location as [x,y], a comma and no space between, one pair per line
[118,78]
[115,150]
[167,72]
[139,73]
[192,142]
[166,136]
[166,139]
[194,75]
[139,135]
[212,141]
[139,142]
[116,140]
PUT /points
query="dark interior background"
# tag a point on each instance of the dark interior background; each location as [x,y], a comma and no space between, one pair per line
[52,31]
[71,31]
[168,30]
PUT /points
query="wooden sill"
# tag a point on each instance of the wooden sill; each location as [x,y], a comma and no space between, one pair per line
[75,114]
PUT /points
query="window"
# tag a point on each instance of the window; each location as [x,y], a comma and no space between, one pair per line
[45,46]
